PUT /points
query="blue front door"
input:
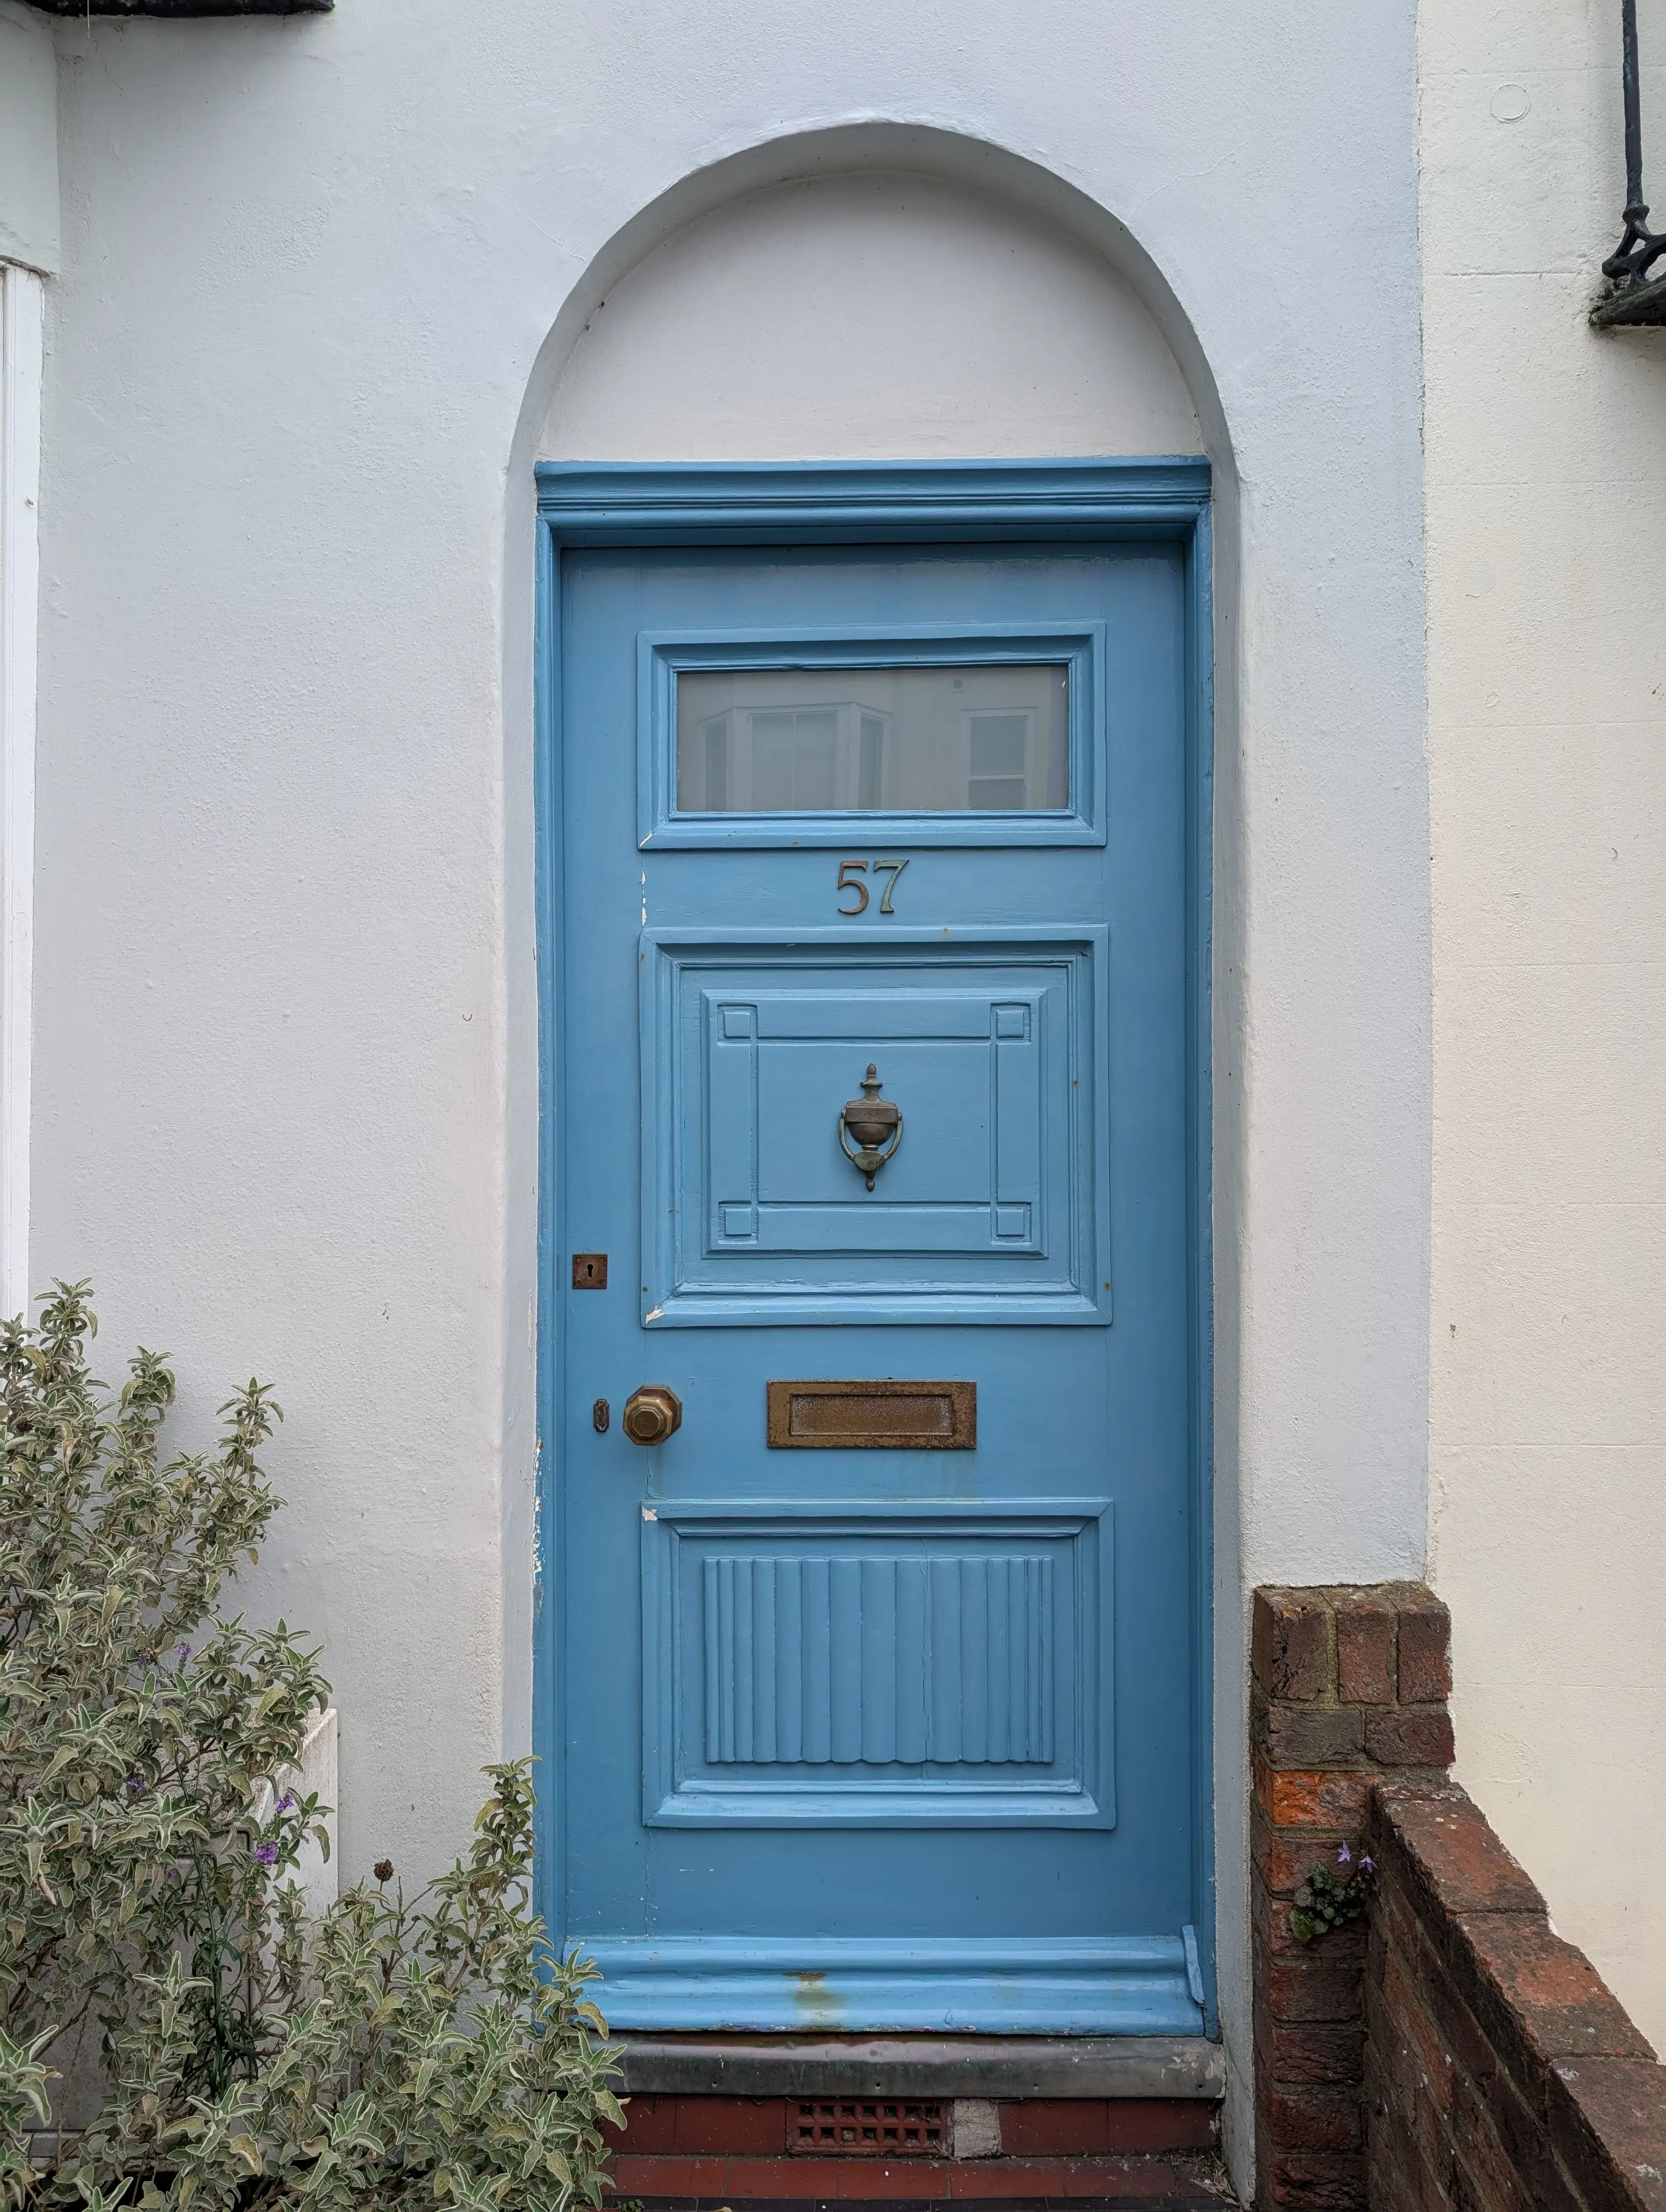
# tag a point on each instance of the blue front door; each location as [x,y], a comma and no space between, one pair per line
[879,1671]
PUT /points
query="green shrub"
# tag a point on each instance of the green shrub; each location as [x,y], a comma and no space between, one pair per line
[158,1968]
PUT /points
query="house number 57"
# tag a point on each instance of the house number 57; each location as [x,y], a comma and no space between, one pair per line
[850,872]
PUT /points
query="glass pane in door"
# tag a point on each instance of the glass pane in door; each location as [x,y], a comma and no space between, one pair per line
[991,740]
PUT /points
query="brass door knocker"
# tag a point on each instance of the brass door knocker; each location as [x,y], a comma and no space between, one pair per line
[874,1122]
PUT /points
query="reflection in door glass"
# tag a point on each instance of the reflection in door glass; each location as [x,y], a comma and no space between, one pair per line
[993,740]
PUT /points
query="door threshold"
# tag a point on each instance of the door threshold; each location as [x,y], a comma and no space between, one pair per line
[700,2063]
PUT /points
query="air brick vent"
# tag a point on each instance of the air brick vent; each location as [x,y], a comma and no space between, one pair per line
[859,2128]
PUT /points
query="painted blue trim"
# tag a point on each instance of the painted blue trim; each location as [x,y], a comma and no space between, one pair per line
[942,1803]
[583,503]
[1043,1985]
[762,502]
[1200,910]
[894,1511]
[549,1828]
[662,655]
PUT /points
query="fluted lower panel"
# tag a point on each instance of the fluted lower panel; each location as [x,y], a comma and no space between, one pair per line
[876,1660]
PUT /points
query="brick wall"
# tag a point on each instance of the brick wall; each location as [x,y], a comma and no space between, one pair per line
[1347,1685]
[1501,2075]
[701,2153]
[1455,2055]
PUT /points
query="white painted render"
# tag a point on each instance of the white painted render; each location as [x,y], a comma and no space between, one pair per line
[28,248]
[1547,560]
[321,278]
[869,314]
[28,139]
[22,323]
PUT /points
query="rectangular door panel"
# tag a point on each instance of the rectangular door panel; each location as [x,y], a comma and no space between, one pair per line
[817,1666]
[992,1205]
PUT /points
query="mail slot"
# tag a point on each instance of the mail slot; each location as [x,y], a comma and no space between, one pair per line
[873,1416]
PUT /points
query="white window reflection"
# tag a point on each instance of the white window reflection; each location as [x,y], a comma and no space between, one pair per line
[874,740]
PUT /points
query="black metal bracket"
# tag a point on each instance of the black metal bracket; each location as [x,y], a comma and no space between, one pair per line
[1633,297]
[180,9]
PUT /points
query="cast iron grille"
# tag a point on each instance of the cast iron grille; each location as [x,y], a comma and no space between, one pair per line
[1634,296]
[855,2128]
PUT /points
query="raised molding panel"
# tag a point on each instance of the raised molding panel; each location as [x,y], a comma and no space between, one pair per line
[877,1665]
[995,1208]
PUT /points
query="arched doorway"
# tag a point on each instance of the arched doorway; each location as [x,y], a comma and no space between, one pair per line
[875,1679]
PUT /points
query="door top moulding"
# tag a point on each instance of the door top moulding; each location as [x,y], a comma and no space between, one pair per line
[610,503]
[924,2066]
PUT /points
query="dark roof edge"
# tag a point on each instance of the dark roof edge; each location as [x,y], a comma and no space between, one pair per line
[179,9]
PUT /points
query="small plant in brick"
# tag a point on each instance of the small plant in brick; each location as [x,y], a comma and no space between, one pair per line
[1332,1897]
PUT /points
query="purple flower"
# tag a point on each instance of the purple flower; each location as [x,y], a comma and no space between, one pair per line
[136,1782]
[1368,1866]
[184,1651]
[1345,1856]
[265,1853]
[286,1800]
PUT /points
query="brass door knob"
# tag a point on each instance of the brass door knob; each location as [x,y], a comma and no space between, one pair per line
[652,1413]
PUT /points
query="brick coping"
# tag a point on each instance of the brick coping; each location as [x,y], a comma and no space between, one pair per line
[1499,2064]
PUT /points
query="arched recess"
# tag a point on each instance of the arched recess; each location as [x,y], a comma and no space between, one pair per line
[866,315]
[795,252]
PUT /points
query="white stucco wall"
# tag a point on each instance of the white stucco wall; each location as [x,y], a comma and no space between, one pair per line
[320,279]
[28,139]
[866,316]
[1547,551]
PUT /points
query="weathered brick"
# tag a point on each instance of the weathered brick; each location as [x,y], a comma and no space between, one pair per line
[1313,1735]
[1410,1735]
[1311,2116]
[1298,1797]
[1607,2122]
[1421,2191]
[1448,1849]
[1404,2012]
[1290,1643]
[1398,2079]
[1342,1946]
[1312,1989]
[1284,1857]
[1425,1647]
[1364,1650]
[1280,1856]
[1461,2033]
[1393,1918]
[1483,2176]
[1540,2000]
[1317,2181]
[1526,2144]
[1315,2050]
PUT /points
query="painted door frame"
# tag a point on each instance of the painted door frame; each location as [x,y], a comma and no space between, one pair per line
[582,504]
